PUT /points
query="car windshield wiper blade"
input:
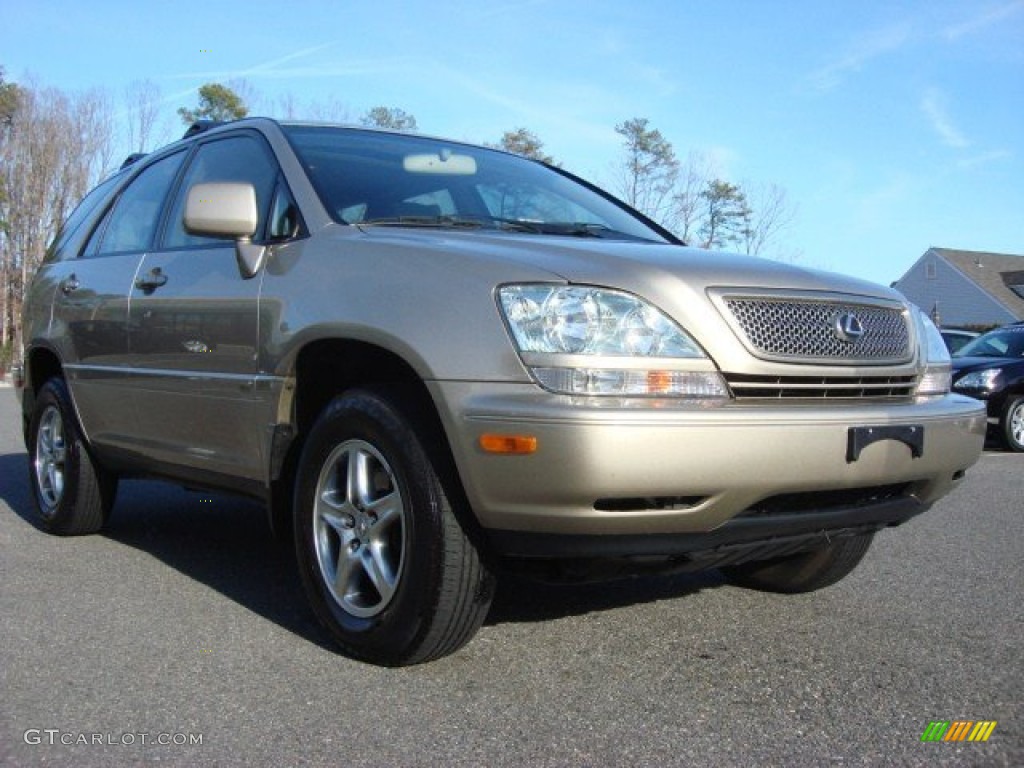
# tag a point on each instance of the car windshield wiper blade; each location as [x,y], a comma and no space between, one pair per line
[475,221]
[417,221]
[586,229]
[466,221]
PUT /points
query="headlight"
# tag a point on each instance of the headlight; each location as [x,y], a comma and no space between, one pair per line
[985,379]
[938,368]
[570,336]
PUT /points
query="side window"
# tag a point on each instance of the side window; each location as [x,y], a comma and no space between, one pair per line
[284,219]
[131,224]
[89,205]
[238,158]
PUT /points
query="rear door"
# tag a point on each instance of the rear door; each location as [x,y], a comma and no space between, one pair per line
[90,308]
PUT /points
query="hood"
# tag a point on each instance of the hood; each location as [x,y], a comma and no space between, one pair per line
[685,283]
[627,265]
[967,364]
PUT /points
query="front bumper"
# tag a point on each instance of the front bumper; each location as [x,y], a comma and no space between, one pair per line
[652,468]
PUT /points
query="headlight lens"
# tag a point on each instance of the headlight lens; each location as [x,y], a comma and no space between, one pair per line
[985,379]
[938,370]
[581,320]
[587,321]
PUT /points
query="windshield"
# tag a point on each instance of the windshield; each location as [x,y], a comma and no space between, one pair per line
[370,178]
[1002,342]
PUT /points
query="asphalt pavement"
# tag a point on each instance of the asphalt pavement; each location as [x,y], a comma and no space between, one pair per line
[180,636]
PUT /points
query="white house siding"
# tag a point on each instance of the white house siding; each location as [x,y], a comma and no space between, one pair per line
[961,301]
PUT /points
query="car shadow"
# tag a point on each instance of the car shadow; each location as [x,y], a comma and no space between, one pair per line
[994,442]
[14,488]
[221,541]
[224,542]
[522,599]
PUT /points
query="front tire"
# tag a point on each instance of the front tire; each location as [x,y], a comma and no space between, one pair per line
[73,494]
[385,563]
[1012,424]
[804,572]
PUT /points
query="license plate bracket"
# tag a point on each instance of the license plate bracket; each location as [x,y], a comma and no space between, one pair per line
[859,438]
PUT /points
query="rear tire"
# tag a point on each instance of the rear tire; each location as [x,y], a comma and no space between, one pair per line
[386,566]
[1012,424]
[72,493]
[805,572]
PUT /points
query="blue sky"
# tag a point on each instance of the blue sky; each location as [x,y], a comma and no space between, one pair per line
[893,126]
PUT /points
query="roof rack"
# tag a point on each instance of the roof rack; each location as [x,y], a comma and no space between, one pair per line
[133,158]
[201,126]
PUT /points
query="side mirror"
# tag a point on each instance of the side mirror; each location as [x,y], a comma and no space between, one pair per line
[227,209]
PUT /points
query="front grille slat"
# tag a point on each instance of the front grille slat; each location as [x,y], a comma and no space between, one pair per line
[804,330]
[821,387]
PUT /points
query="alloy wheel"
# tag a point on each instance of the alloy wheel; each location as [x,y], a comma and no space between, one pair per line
[51,452]
[359,528]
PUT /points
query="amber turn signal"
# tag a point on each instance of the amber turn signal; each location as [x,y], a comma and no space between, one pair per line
[508,444]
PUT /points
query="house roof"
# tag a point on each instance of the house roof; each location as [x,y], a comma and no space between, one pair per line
[993,272]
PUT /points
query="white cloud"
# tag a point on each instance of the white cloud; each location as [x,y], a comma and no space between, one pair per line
[983,20]
[861,51]
[985,158]
[933,104]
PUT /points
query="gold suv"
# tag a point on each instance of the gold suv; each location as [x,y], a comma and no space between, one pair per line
[431,360]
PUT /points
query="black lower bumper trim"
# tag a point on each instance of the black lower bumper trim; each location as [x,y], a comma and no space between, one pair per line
[738,534]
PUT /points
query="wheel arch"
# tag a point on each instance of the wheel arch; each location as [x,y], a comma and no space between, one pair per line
[41,364]
[327,367]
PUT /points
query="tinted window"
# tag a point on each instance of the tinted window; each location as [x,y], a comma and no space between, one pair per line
[284,219]
[1002,342]
[239,158]
[85,209]
[366,177]
[136,215]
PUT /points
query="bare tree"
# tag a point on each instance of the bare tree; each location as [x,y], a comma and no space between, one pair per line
[55,148]
[143,98]
[287,107]
[331,111]
[770,214]
[687,204]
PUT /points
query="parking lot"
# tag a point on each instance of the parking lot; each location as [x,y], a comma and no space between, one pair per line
[181,636]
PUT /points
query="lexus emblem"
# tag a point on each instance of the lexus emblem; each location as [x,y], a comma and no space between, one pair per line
[847,327]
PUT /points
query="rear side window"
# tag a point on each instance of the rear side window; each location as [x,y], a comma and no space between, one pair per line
[89,205]
[238,158]
[133,222]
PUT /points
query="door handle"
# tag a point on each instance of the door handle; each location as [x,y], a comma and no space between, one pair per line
[69,284]
[151,280]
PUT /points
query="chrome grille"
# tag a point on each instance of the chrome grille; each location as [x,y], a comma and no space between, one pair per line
[857,388]
[786,328]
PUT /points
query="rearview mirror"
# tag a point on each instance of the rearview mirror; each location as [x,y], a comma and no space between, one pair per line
[445,163]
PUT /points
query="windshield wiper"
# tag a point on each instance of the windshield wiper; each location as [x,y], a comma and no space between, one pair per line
[467,221]
[416,221]
[587,229]
[474,221]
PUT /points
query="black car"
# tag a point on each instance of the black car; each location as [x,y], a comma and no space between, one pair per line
[991,368]
[957,338]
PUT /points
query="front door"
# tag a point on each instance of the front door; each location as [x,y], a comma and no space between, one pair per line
[193,331]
